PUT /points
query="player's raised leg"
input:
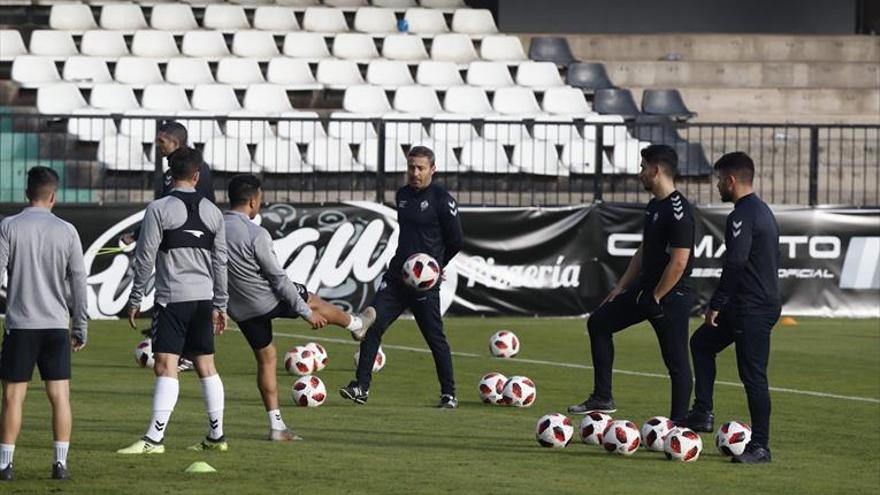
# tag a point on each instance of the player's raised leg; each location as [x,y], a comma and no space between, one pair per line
[357,324]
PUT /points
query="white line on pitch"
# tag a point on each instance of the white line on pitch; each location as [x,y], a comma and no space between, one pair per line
[580,366]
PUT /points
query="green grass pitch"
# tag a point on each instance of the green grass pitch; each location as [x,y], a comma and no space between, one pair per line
[399,443]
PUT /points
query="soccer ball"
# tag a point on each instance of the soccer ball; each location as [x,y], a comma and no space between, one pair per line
[519,391]
[300,361]
[554,430]
[377,365]
[309,391]
[732,438]
[683,444]
[320,355]
[621,437]
[504,344]
[491,387]
[143,353]
[654,432]
[421,272]
[593,426]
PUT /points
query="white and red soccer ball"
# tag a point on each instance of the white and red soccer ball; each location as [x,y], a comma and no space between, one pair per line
[504,344]
[300,361]
[143,353]
[378,364]
[654,432]
[554,431]
[732,438]
[491,388]
[683,444]
[519,391]
[621,437]
[421,272]
[321,357]
[593,427]
[309,391]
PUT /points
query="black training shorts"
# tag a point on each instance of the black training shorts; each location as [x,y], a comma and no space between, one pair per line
[258,330]
[48,349]
[183,328]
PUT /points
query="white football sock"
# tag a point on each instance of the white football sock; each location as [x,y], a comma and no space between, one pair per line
[164,400]
[61,452]
[6,452]
[275,421]
[212,389]
[355,324]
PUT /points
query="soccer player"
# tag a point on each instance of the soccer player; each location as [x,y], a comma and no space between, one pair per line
[429,223]
[184,235]
[45,261]
[654,287]
[170,137]
[744,308]
[260,291]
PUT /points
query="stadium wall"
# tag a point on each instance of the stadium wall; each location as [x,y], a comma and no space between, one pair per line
[516,261]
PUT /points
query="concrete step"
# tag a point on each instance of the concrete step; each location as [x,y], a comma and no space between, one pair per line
[710,74]
[724,47]
[788,118]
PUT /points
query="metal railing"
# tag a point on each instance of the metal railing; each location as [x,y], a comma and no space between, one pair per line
[109,158]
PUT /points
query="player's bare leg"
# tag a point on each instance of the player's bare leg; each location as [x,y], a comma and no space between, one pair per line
[267,382]
[58,392]
[357,324]
[10,425]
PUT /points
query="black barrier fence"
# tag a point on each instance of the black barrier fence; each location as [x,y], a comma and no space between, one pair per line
[545,161]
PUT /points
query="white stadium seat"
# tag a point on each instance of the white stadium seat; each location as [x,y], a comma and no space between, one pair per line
[565,101]
[254,44]
[298,129]
[467,100]
[538,75]
[298,3]
[485,157]
[50,43]
[71,17]
[449,128]
[506,129]
[292,73]
[628,155]
[31,71]
[515,101]
[368,156]
[502,48]
[225,17]
[324,20]
[275,18]
[346,3]
[239,72]
[101,43]
[85,71]
[205,44]
[267,99]
[444,155]
[442,4]
[122,17]
[475,22]
[88,124]
[169,98]
[11,44]
[538,158]
[331,155]
[246,129]
[439,75]
[354,46]
[280,156]
[154,44]
[121,153]
[375,20]
[199,130]
[365,99]
[309,46]
[113,97]
[215,98]
[558,129]
[489,75]
[404,127]
[137,71]
[188,72]
[225,154]
[404,47]
[453,47]
[579,156]
[425,22]
[388,74]
[174,17]
[140,124]
[338,74]
[420,100]
[395,4]
[351,127]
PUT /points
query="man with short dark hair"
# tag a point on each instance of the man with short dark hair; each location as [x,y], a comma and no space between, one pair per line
[184,235]
[744,308]
[44,258]
[259,291]
[655,287]
[429,223]
[170,137]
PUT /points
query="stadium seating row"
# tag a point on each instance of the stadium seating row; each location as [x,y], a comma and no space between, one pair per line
[179,17]
[444,5]
[212,45]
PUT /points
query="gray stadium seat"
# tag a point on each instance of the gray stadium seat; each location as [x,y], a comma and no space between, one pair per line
[551,49]
[666,102]
[588,76]
[615,102]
